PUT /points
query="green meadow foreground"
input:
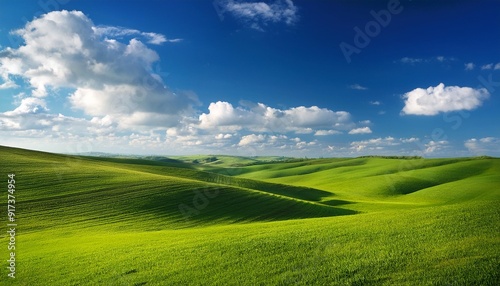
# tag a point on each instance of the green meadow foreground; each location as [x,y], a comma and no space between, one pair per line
[245,221]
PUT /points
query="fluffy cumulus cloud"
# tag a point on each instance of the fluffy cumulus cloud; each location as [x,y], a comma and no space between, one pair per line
[482,146]
[275,143]
[259,14]
[32,114]
[65,50]
[223,116]
[221,136]
[251,139]
[31,105]
[435,146]
[434,100]
[361,130]
[259,129]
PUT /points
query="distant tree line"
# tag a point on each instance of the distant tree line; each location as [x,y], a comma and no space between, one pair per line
[393,157]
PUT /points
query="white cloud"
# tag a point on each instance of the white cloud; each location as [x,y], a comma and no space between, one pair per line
[31,118]
[223,114]
[66,50]
[7,64]
[8,84]
[357,87]
[469,66]
[434,146]
[373,144]
[261,118]
[491,66]
[361,130]
[482,146]
[403,146]
[306,130]
[375,103]
[221,136]
[30,105]
[487,67]
[259,14]
[437,99]
[316,117]
[438,59]
[118,32]
[257,129]
[251,139]
[260,144]
[409,140]
[326,132]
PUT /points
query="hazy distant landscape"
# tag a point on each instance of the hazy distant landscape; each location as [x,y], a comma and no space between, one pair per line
[254,220]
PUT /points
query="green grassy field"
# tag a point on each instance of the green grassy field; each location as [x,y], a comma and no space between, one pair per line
[251,221]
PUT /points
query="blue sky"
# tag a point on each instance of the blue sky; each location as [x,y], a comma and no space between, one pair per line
[292,78]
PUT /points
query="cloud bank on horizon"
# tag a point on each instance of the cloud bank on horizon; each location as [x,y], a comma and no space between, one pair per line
[100,86]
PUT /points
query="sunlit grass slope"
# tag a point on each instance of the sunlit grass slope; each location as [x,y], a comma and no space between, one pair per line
[364,183]
[361,221]
[452,245]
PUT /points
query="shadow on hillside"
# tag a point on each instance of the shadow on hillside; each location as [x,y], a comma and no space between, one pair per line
[213,205]
[176,168]
[403,184]
[336,202]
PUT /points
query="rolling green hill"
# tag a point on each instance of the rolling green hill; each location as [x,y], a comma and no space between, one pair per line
[369,182]
[360,221]
[84,190]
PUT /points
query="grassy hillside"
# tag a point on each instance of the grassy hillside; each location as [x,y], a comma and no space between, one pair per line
[453,245]
[367,183]
[83,191]
[361,221]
